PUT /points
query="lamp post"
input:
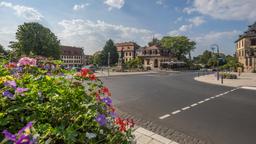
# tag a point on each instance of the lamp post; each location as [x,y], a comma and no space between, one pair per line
[213,46]
[108,62]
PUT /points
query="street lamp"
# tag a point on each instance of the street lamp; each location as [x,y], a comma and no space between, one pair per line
[213,46]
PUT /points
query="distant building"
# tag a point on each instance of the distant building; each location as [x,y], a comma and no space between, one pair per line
[127,50]
[72,56]
[154,55]
[246,48]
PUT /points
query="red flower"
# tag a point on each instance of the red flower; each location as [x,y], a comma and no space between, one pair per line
[84,72]
[105,90]
[131,122]
[92,77]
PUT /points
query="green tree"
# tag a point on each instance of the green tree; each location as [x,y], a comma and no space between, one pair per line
[97,58]
[179,45]
[109,48]
[2,50]
[134,63]
[33,38]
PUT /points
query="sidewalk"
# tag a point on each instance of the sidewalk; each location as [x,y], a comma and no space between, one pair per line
[105,73]
[143,136]
[245,80]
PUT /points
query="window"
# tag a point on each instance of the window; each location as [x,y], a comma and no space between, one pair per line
[253,42]
[148,62]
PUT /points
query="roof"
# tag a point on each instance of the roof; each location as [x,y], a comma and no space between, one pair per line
[71,51]
[251,32]
[126,44]
[152,47]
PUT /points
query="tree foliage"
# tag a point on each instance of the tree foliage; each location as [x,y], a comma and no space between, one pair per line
[179,45]
[35,39]
[97,58]
[134,63]
[109,48]
[2,50]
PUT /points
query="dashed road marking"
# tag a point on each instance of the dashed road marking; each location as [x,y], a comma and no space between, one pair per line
[175,112]
[198,103]
[164,116]
[195,104]
[185,108]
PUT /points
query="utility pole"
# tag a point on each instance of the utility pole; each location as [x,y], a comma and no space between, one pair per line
[218,52]
[108,62]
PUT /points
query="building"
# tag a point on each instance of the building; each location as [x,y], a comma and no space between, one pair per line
[154,55]
[127,50]
[72,56]
[246,48]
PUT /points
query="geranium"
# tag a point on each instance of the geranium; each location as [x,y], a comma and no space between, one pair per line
[10,84]
[27,61]
[84,72]
[105,90]
[21,90]
[10,65]
[92,77]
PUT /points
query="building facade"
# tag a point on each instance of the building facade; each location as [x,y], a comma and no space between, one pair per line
[72,56]
[127,50]
[154,55]
[246,48]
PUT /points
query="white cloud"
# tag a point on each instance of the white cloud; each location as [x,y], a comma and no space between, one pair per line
[77,7]
[225,9]
[7,34]
[93,35]
[114,4]
[224,39]
[178,20]
[28,13]
[196,21]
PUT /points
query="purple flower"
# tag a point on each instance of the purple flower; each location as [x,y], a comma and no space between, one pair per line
[9,136]
[28,126]
[21,90]
[107,100]
[8,94]
[24,139]
[101,119]
[10,83]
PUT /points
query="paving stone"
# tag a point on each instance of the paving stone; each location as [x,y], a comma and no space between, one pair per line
[144,139]
[173,142]
[161,138]
[137,135]
[144,131]
[155,142]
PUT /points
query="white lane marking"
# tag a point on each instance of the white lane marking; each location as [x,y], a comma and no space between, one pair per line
[201,102]
[198,103]
[249,88]
[164,116]
[193,105]
[175,112]
[185,108]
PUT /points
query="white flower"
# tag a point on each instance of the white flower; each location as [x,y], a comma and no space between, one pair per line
[90,135]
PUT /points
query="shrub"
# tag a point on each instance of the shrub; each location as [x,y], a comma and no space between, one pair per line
[63,107]
[228,76]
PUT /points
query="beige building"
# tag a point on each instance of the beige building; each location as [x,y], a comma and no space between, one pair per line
[246,48]
[72,56]
[153,56]
[127,50]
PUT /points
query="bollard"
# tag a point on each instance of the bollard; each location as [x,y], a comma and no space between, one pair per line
[221,79]
[198,74]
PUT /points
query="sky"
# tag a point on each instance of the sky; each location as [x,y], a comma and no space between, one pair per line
[90,23]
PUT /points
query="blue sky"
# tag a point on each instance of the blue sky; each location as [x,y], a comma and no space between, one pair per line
[89,23]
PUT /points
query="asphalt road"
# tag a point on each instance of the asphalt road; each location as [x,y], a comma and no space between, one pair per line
[216,114]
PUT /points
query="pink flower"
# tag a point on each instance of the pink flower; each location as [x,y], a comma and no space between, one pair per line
[27,61]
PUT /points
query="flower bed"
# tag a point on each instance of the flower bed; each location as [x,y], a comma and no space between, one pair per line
[55,109]
[228,76]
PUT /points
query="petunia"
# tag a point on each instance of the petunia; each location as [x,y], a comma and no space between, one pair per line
[26,129]
[21,90]
[7,94]
[90,135]
[10,83]
[101,119]
[23,139]
[9,136]
[107,100]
